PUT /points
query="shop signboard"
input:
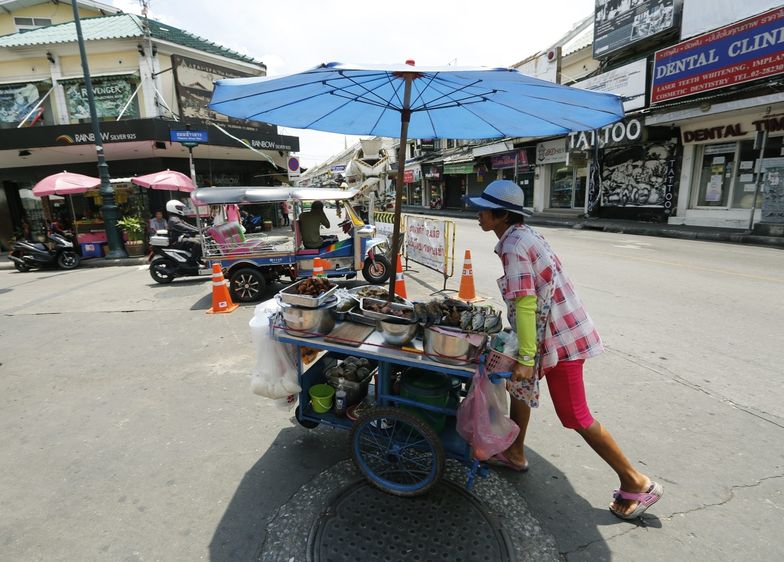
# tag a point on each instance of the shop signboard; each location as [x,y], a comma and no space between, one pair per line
[626,131]
[16,101]
[748,50]
[620,23]
[426,242]
[508,160]
[551,152]
[459,168]
[627,81]
[111,93]
[432,173]
[408,176]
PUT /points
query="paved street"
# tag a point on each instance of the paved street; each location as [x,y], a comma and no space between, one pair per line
[128,430]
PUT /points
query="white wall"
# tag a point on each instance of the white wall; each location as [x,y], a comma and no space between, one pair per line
[700,16]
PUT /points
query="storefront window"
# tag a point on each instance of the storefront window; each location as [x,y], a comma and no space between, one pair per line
[728,173]
[567,186]
[416,193]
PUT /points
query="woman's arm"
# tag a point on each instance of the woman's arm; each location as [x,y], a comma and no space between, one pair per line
[525,316]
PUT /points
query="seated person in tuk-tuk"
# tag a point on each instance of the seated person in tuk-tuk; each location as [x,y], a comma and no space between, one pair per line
[309,224]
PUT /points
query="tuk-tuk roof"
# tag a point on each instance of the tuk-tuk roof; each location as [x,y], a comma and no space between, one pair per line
[254,195]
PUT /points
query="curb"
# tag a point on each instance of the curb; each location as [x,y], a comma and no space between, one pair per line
[705,234]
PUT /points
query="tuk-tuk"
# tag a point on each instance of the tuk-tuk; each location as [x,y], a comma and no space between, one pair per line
[250,261]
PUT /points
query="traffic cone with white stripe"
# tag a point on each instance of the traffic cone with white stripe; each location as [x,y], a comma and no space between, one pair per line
[467,291]
[221,299]
[400,282]
[318,268]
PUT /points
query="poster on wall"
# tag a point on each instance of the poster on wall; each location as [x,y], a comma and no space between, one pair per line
[620,23]
[16,101]
[773,196]
[639,176]
[110,94]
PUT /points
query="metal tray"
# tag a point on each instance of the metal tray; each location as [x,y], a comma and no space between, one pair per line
[289,295]
[354,292]
[381,315]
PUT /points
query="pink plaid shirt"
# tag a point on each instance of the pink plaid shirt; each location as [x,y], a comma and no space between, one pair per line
[532,268]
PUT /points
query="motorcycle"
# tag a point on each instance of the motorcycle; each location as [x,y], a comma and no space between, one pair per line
[168,261]
[33,255]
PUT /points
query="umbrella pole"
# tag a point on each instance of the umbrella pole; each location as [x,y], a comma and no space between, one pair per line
[405,118]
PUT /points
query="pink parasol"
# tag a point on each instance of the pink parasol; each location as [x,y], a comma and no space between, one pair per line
[167,180]
[65,183]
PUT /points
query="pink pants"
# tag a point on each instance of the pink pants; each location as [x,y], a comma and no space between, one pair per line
[567,390]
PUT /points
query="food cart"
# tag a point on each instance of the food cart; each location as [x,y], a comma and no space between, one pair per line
[399,442]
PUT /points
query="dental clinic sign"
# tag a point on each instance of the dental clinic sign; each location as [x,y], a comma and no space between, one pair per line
[744,51]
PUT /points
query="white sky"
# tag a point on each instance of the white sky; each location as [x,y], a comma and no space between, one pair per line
[294,35]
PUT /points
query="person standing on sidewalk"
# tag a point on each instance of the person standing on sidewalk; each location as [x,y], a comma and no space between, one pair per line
[539,294]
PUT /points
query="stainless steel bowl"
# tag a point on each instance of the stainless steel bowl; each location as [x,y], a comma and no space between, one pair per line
[397,332]
[308,322]
[450,348]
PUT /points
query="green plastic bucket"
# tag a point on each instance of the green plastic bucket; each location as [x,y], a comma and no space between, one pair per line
[427,388]
[321,397]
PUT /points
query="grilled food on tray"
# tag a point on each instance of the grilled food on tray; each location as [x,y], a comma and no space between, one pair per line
[314,286]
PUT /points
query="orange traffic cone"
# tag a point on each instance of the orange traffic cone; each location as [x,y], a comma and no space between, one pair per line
[318,268]
[221,299]
[467,291]
[400,283]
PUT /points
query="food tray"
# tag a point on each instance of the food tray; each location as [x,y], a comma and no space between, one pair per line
[354,292]
[389,317]
[289,295]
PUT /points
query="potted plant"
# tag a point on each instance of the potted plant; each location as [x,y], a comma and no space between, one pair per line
[135,232]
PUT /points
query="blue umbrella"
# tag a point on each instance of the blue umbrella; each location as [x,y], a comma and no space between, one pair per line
[416,102]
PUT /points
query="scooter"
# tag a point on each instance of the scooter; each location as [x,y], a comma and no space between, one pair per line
[29,255]
[168,262]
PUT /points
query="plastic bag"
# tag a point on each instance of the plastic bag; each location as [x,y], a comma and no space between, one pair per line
[275,373]
[482,419]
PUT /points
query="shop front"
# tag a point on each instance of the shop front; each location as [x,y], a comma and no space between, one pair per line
[455,183]
[434,190]
[722,170]
[412,179]
[632,172]
[514,166]
[562,185]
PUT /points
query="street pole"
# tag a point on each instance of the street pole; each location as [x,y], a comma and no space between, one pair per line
[108,209]
[760,142]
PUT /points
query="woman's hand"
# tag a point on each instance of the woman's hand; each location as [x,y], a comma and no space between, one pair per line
[520,372]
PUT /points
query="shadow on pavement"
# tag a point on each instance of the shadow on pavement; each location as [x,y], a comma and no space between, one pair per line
[295,457]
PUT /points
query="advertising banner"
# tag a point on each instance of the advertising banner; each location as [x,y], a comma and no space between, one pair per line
[747,50]
[620,23]
[111,93]
[426,242]
[193,81]
[627,81]
[16,101]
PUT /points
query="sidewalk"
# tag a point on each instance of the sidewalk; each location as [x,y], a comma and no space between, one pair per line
[5,263]
[710,234]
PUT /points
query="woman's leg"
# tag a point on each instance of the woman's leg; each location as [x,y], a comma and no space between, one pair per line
[605,446]
[567,391]
[520,413]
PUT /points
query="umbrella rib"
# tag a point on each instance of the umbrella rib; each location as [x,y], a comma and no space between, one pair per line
[381,100]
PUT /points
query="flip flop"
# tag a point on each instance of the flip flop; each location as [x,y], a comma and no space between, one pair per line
[502,460]
[644,499]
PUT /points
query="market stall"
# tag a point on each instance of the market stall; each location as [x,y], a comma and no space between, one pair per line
[392,374]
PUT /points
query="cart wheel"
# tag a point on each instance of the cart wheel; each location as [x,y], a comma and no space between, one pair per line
[307,424]
[246,285]
[398,452]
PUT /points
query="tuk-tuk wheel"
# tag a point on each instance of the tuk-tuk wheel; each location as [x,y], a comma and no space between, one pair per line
[246,285]
[378,272]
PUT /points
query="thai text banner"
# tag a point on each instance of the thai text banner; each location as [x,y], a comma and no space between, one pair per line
[748,50]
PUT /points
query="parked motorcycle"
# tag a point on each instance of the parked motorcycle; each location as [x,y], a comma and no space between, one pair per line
[169,261]
[33,255]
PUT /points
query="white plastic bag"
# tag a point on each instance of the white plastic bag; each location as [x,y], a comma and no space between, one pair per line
[275,374]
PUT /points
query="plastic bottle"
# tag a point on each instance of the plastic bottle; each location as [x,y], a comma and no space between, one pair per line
[340,398]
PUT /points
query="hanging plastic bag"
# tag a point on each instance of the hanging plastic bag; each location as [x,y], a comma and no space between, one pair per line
[275,374]
[482,419]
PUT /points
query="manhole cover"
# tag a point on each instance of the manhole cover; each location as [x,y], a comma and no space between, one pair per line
[363,523]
